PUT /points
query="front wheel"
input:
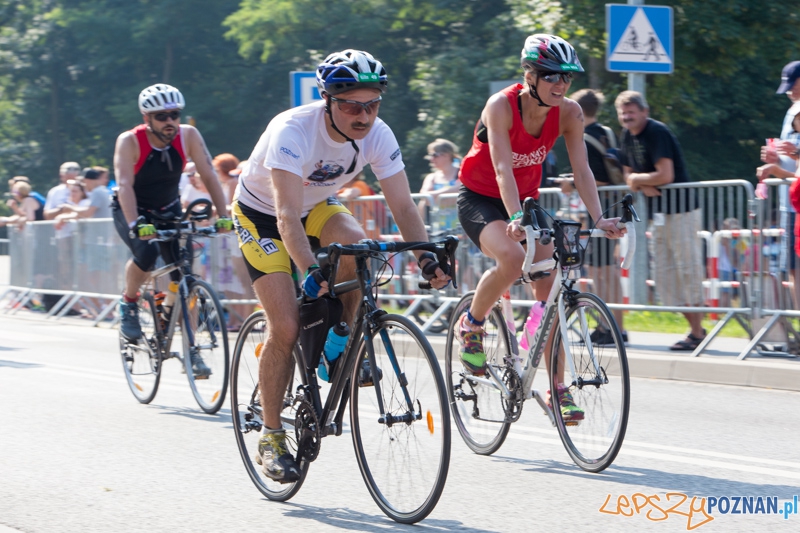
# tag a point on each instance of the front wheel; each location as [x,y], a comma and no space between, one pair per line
[246,408]
[477,405]
[141,359]
[400,422]
[599,386]
[205,346]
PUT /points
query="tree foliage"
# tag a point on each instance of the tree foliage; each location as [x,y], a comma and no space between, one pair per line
[70,70]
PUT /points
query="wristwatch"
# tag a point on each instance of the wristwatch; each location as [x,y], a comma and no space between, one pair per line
[132,233]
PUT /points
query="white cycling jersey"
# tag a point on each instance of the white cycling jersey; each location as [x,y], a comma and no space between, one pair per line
[296,141]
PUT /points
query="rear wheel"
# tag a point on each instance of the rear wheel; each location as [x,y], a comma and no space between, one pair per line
[478,407]
[206,357]
[400,423]
[141,360]
[246,408]
[600,385]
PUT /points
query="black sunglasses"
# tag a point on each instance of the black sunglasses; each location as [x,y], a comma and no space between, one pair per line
[352,107]
[162,117]
[552,77]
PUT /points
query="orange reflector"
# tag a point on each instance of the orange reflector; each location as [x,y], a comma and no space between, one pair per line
[192,303]
[214,398]
[430,422]
[259,349]
[138,387]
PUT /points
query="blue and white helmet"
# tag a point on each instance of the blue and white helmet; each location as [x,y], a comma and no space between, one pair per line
[348,70]
[160,97]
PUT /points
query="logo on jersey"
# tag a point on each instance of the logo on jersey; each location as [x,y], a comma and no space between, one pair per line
[268,245]
[288,152]
[395,155]
[327,172]
[528,160]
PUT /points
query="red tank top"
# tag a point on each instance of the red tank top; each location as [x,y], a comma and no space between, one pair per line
[529,152]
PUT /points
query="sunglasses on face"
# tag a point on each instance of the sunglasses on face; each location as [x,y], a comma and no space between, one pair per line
[553,77]
[352,107]
[162,117]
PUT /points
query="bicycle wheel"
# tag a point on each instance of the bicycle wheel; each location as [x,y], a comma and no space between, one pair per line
[206,359]
[141,360]
[600,385]
[404,462]
[477,406]
[246,408]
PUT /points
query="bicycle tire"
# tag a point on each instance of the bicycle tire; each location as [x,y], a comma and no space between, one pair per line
[477,409]
[404,464]
[596,440]
[246,407]
[206,320]
[141,360]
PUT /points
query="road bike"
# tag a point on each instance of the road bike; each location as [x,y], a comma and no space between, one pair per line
[197,317]
[484,407]
[389,374]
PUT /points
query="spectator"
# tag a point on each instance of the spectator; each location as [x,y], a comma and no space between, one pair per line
[59,195]
[601,261]
[445,161]
[224,164]
[195,188]
[728,261]
[37,196]
[232,279]
[23,204]
[781,161]
[95,181]
[78,200]
[651,157]
[370,214]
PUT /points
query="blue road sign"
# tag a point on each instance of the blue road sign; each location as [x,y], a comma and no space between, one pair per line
[639,39]
[303,88]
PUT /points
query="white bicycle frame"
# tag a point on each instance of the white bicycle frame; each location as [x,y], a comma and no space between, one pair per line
[555,304]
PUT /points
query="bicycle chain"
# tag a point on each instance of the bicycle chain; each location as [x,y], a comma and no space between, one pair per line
[512,407]
[307,431]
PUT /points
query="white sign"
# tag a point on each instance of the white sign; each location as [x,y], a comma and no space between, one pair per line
[639,39]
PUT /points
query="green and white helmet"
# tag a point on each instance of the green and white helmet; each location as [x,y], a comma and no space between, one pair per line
[160,97]
[549,53]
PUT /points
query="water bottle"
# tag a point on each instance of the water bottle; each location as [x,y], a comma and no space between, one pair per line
[334,346]
[531,325]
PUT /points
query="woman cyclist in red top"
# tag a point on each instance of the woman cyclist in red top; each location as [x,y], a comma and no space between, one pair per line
[517,128]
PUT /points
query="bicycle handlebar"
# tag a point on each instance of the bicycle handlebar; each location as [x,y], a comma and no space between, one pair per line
[534,233]
[186,224]
[444,250]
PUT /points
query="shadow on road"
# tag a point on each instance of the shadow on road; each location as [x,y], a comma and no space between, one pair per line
[349,520]
[16,364]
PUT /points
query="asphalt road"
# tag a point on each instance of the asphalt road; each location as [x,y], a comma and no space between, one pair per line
[78,453]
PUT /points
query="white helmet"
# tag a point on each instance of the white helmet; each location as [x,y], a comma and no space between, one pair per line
[159,97]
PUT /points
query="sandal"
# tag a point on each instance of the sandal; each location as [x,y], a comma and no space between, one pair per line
[689,344]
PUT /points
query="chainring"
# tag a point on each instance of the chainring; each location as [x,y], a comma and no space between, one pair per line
[306,429]
[513,406]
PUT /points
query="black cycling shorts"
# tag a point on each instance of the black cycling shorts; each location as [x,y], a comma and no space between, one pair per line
[145,253]
[476,211]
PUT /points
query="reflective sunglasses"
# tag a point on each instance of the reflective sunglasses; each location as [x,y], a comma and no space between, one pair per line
[162,117]
[352,107]
[434,154]
[552,77]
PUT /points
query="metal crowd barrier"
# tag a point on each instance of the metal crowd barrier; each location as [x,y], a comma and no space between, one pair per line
[87,261]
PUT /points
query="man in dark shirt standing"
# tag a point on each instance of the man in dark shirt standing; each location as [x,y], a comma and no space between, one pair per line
[651,157]
[600,257]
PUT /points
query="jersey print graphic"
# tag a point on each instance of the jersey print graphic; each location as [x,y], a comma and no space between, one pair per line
[528,160]
[326,172]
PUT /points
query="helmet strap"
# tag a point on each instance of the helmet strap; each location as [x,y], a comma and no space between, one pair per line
[535,94]
[340,132]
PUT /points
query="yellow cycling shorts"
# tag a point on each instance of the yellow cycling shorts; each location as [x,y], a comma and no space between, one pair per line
[260,241]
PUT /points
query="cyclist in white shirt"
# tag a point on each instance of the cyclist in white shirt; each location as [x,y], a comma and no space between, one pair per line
[286,205]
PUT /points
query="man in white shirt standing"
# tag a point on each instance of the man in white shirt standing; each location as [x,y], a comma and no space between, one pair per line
[59,195]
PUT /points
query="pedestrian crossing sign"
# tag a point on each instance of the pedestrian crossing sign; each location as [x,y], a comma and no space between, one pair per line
[639,39]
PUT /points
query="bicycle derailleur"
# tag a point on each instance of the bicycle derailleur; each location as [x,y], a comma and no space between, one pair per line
[307,430]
